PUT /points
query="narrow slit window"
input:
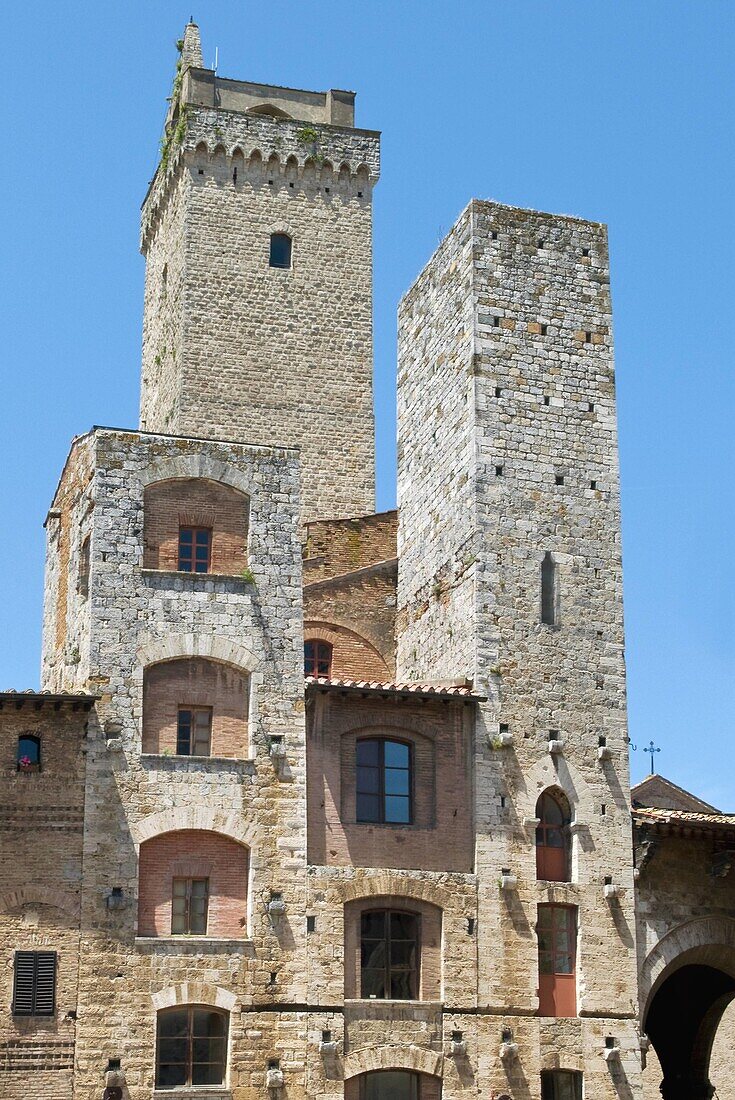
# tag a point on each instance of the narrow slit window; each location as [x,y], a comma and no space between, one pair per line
[83,585]
[548,590]
[194,731]
[280,253]
[195,549]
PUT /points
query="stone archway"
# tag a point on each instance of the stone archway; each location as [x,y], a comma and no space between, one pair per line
[684,1012]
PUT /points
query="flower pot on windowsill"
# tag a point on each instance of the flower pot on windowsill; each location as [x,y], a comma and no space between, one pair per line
[29,768]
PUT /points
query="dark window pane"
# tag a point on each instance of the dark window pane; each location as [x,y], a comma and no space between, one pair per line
[373,954]
[322,667]
[401,986]
[368,808]
[544,962]
[368,752]
[170,1076]
[398,810]
[186,536]
[373,983]
[173,1050]
[208,1074]
[373,924]
[396,755]
[390,1085]
[280,252]
[403,926]
[173,1023]
[368,780]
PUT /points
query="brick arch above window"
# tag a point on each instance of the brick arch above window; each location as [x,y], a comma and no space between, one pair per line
[202,993]
[399,886]
[195,524]
[216,647]
[353,656]
[197,466]
[564,776]
[394,1056]
[13,900]
[192,817]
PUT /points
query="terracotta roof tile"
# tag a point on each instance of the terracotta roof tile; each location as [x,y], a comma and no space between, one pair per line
[439,691]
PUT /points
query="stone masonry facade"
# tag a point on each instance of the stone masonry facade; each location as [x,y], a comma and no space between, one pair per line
[280,821]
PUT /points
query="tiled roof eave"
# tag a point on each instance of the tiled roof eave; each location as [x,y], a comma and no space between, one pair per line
[398,690]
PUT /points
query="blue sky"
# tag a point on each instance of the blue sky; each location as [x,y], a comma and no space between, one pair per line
[618,111]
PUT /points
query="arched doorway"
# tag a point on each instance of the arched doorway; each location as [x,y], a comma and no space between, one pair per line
[682,1021]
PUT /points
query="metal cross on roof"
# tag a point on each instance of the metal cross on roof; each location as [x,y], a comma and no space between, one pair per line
[652,749]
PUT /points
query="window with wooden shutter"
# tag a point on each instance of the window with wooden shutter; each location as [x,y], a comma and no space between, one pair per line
[34,984]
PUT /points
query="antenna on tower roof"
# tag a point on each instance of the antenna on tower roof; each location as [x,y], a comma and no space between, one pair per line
[216,58]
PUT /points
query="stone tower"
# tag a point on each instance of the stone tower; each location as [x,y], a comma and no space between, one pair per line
[249,338]
[510,574]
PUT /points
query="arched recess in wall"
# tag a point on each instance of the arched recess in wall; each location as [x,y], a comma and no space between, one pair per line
[559,774]
[193,992]
[353,656]
[11,901]
[197,707]
[193,883]
[269,110]
[195,525]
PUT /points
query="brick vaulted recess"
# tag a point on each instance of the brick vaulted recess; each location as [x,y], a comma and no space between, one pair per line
[319,802]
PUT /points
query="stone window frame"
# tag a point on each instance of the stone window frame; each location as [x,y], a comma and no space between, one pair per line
[282,229]
[430,964]
[555,793]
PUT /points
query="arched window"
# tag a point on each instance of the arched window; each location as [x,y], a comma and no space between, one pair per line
[548,590]
[561,1084]
[28,756]
[390,1084]
[317,658]
[280,254]
[384,781]
[389,954]
[191,1046]
[552,838]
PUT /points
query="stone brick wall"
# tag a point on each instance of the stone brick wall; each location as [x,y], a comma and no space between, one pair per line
[189,502]
[195,682]
[506,418]
[236,349]
[440,735]
[193,854]
[336,547]
[41,817]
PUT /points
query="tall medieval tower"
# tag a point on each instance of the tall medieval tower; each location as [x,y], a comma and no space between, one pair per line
[257,234]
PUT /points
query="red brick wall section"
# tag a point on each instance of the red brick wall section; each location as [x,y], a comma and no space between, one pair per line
[339,546]
[441,839]
[430,940]
[430,1088]
[364,602]
[195,681]
[200,855]
[195,502]
[353,658]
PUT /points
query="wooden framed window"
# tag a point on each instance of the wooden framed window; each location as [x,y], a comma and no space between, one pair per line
[280,250]
[189,904]
[557,959]
[552,838]
[392,1084]
[384,781]
[34,983]
[317,659]
[28,753]
[389,955]
[561,1084]
[191,1046]
[194,731]
[195,549]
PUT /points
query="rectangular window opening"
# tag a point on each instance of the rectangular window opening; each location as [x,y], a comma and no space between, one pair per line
[189,905]
[194,731]
[195,549]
